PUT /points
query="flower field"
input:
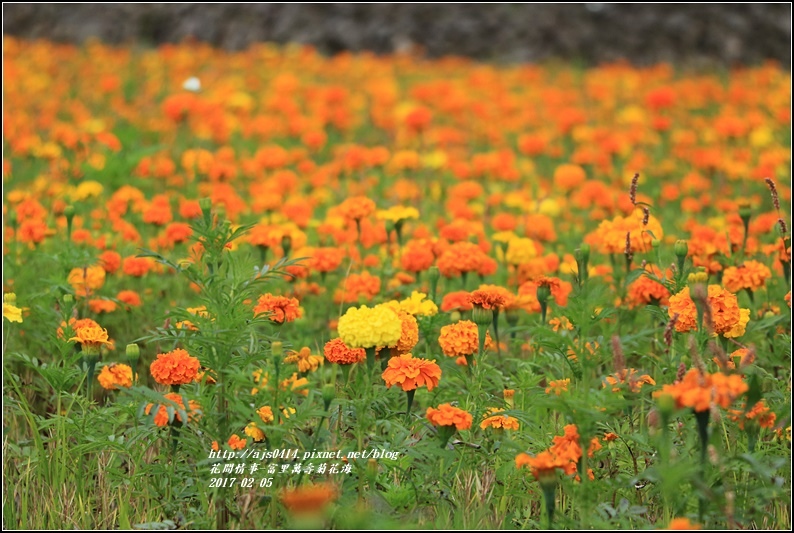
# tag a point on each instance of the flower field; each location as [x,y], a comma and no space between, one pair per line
[271,289]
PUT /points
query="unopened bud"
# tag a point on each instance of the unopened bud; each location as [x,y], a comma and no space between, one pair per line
[133,351]
[329,393]
[681,248]
[481,316]
[277,349]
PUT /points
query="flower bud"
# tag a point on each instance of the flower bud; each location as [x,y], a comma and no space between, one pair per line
[666,405]
[512,316]
[681,248]
[277,349]
[655,243]
[481,316]
[433,274]
[133,351]
[329,393]
[286,244]
[206,205]
[544,292]
[68,212]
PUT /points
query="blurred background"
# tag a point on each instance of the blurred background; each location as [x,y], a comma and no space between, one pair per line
[590,33]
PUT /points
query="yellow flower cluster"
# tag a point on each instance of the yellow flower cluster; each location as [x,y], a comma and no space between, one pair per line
[397,213]
[417,305]
[10,311]
[520,250]
[370,327]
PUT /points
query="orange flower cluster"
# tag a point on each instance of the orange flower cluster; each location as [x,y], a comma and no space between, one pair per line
[357,207]
[751,275]
[490,297]
[464,257]
[411,373]
[494,420]
[305,360]
[115,375]
[646,290]
[461,339]
[176,367]
[279,309]
[90,335]
[564,454]
[85,281]
[447,415]
[161,416]
[727,318]
[363,286]
[308,499]
[700,390]
[336,351]
[759,414]
[628,376]
[456,301]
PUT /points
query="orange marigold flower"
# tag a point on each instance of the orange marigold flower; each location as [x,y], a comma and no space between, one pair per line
[131,298]
[85,281]
[327,259]
[447,415]
[568,177]
[558,386]
[175,368]
[417,256]
[178,232]
[115,375]
[490,297]
[646,290]
[760,414]
[726,316]
[296,384]
[236,443]
[357,207]
[308,499]
[460,257]
[699,390]
[461,339]
[266,414]
[543,465]
[410,333]
[90,336]
[161,416]
[751,275]
[411,373]
[682,524]
[498,421]
[630,377]
[336,351]
[137,266]
[456,301]
[101,305]
[609,436]
[280,308]
[110,261]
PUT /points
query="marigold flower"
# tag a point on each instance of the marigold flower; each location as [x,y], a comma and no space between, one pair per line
[336,351]
[357,207]
[91,336]
[759,414]
[101,305]
[460,257]
[131,298]
[327,259]
[568,177]
[646,290]
[110,261]
[456,301]
[751,275]
[236,443]
[305,360]
[254,432]
[308,499]
[176,367]
[296,384]
[543,465]
[266,414]
[411,373]
[727,318]
[496,421]
[558,386]
[520,251]
[700,390]
[447,415]
[630,377]
[280,309]
[115,375]
[398,213]
[161,416]
[11,312]
[85,281]
[365,327]
[418,305]
[490,297]
[137,266]
[461,339]
[682,524]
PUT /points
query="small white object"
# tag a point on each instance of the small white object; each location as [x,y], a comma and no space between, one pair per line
[192,84]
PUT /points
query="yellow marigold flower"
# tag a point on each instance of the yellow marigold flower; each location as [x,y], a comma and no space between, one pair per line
[266,414]
[447,415]
[176,367]
[254,432]
[397,213]
[305,360]
[115,375]
[418,305]
[260,380]
[520,250]
[495,420]
[750,275]
[296,384]
[10,311]
[370,327]
[84,281]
